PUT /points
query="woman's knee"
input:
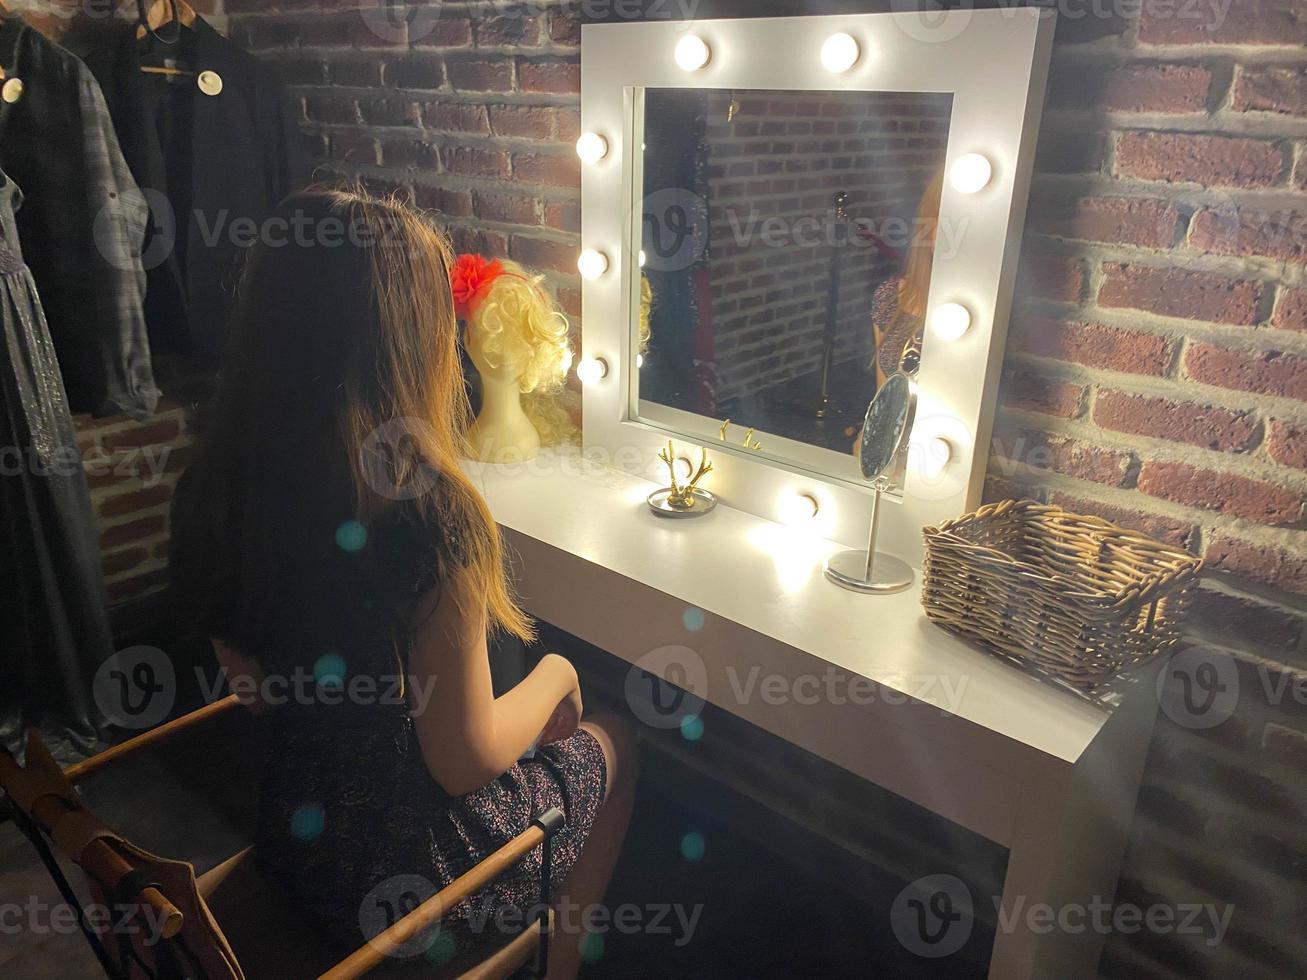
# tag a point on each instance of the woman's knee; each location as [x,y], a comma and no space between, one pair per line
[621,748]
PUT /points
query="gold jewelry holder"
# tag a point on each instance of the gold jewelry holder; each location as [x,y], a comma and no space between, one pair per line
[682,499]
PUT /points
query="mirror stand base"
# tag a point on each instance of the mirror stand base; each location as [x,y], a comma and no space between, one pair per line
[887,574]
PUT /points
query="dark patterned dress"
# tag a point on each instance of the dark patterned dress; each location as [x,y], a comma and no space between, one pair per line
[352,824]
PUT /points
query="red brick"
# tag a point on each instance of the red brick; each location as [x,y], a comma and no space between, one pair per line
[1213,161]
[999,487]
[475,162]
[539,253]
[356,73]
[387,112]
[1175,293]
[1245,620]
[1200,425]
[1048,396]
[568,122]
[1265,563]
[408,153]
[455,204]
[416,71]
[1287,443]
[151,434]
[1069,457]
[507,31]
[1224,493]
[444,32]
[1165,529]
[563,216]
[122,561]
[1069,153]
[1241,22]
[1056,277]
[137,530]
[507,208]
[528,121]
[456,117]
[1284,745]
[555,171]
[1116,220]
[1291,310]
[1265,372]
[1282,90]
[1161,88]
[1276,234]
[480,74]
[331,109]
[130,503]
[569,300]
[479,240]
[1095,345]
[553,75]
[564,28]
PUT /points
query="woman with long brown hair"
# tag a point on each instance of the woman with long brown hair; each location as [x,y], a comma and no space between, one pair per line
[329,543]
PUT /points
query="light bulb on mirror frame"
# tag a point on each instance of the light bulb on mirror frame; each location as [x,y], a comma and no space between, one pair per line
[592,370]
[592,263]
[692,52]
[591,148]
[840,52]
[950,321]
[971,173]
[930,456]
[798,508]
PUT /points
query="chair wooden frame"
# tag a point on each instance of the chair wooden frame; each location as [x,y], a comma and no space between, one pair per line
[105,865]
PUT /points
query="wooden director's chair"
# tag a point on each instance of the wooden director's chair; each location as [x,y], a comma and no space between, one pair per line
[228,923]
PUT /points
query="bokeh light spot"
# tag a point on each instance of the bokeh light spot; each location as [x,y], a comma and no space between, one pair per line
[693,846]
[329,670]
[351,536]
[692,728]
[592,947]
[442,948]
[692,618]
[307,822]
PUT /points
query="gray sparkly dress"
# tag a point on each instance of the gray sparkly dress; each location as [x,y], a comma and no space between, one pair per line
[55,630]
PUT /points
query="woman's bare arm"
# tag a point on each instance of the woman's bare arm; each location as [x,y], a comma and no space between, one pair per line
[469,737]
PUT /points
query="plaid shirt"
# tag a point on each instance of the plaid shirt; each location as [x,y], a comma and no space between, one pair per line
[82,224]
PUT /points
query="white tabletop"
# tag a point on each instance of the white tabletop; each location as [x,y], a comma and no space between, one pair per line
[767,578]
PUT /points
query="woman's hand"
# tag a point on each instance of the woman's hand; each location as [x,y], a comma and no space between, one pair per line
[565,718]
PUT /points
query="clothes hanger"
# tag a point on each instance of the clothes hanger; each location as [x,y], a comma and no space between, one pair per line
[178,13]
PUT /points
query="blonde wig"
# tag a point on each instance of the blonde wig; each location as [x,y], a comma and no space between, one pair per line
[517,327]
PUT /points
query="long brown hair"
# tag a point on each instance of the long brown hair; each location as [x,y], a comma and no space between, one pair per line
[333,440]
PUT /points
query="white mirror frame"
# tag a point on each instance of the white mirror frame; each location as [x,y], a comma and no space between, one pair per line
[995,65]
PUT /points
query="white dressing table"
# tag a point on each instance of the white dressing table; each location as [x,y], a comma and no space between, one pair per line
[1038,771]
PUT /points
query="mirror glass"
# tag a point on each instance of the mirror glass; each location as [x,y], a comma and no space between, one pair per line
[787,240]
[886,426]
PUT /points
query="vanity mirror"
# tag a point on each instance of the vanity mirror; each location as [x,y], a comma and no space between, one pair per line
[779,214]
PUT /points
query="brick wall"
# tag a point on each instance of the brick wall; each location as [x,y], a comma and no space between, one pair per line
[783,158]
[1156,372]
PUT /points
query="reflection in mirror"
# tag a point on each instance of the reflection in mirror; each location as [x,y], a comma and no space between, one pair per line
[788,239]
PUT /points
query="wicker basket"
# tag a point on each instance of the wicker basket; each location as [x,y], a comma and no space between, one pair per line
[1072,598]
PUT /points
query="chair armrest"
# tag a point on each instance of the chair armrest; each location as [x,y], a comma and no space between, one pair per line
[385,944]
[81,770]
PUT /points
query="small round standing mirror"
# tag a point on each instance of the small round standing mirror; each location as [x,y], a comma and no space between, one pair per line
[884,435]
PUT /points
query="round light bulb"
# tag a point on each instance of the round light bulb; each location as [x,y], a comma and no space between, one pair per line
[931,456]
[643,258]
[592,369]
[692,52]
[639,360]
[798,508]
[950,321]
[591,148]
[592,263]
[840,53]
[971,172]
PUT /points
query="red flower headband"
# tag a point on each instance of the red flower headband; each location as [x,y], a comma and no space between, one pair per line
[471,275]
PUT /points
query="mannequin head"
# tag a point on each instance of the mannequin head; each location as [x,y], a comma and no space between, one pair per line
[514,334]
